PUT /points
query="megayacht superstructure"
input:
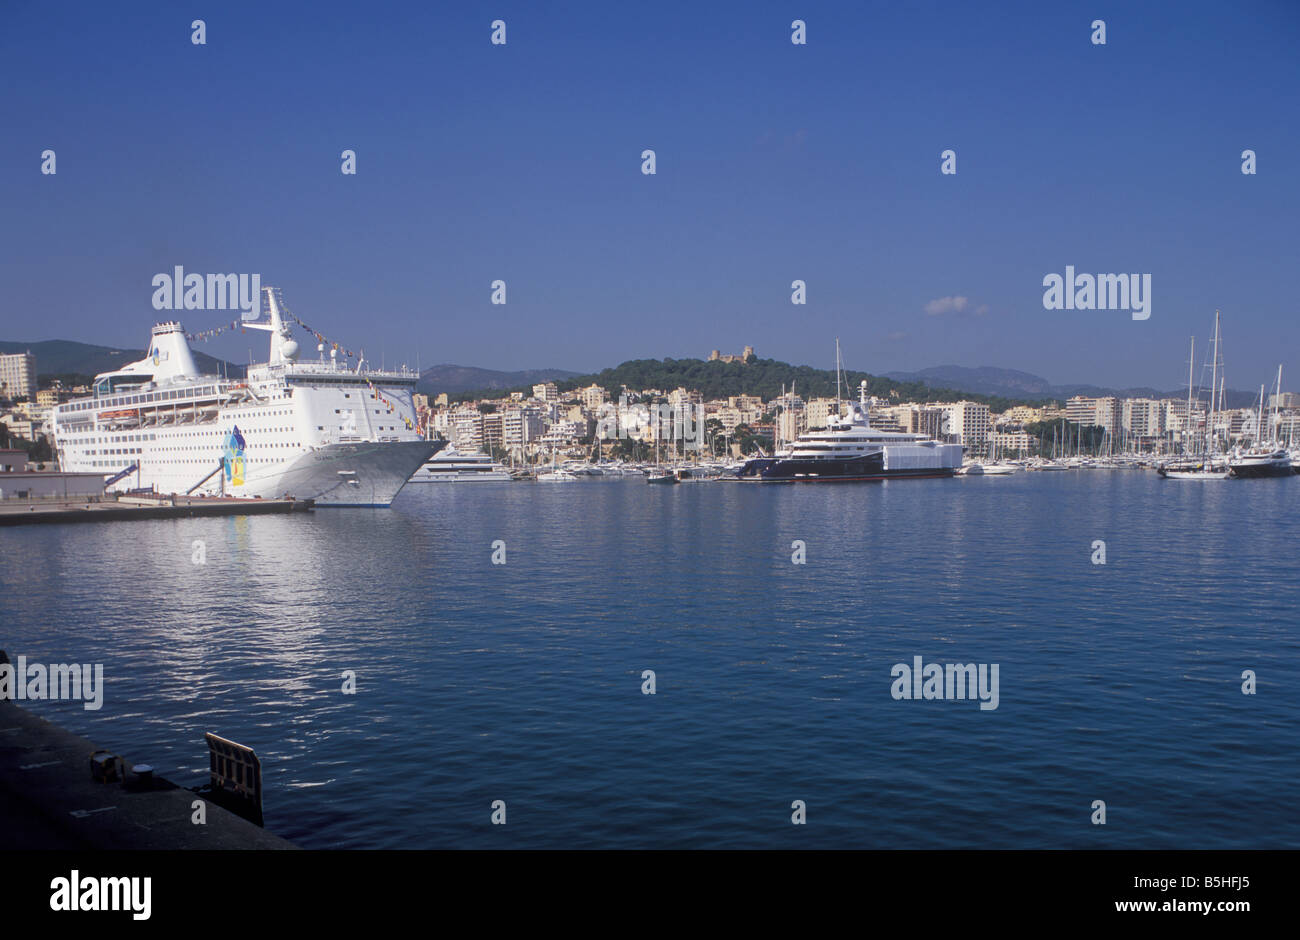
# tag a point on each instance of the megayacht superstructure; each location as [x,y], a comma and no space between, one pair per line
[851,450]
[319,429]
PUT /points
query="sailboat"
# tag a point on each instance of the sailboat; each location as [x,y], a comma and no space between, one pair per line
[659,474]
[997,467]
[556,474]
[1190,466]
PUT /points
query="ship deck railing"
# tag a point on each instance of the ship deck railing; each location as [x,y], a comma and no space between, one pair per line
[329,367]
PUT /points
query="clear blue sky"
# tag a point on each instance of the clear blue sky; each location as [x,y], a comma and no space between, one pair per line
[775,162]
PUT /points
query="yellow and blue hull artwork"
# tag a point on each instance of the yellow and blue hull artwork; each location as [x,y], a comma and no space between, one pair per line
[234,459]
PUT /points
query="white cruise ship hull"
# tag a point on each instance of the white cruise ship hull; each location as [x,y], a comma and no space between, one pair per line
[352,474]
[363,473]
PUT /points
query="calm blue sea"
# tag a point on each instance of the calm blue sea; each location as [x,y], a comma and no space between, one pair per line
[522,682]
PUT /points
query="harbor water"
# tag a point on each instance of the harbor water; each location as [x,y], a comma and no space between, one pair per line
[523,681]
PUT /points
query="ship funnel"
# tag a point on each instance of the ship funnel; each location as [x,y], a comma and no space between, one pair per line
[169,353]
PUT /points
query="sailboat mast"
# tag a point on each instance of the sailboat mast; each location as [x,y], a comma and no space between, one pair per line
[1214,385]
[1277,397]
[1187,418]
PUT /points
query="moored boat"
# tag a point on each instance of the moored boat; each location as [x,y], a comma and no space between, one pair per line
[317,430]
[850,450]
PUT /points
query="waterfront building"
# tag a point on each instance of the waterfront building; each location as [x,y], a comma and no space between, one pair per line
[1013,441]
[464,428]
[927,420]
[818,412]
[563,433]
[789,424]
[1106,412]
[969,423]
[492,431]
[521,426]
[17,375]
[1143,418]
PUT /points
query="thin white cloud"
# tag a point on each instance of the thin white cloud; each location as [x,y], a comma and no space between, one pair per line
[944,305]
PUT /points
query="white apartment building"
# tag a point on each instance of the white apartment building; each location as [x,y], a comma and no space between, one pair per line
[564,432]
[1080,410]
[465,430]
[929,420]
[1144,417]
[521,426]
[969,424]
[1095,412]
[817,412]
[17,375]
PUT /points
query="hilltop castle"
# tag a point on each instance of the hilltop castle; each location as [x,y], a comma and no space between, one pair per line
[745,356]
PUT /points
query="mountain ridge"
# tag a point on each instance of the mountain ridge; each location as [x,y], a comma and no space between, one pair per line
[68,357]
[1013,383]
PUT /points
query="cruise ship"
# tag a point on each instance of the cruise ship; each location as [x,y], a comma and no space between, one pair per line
[453,466]
[320,430]
[850,450]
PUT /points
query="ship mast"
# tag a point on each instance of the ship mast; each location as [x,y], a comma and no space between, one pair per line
[1214,384]
[837,376]
[283,347]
